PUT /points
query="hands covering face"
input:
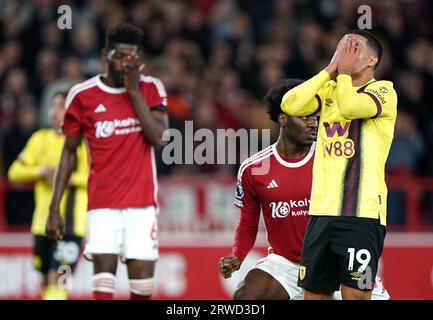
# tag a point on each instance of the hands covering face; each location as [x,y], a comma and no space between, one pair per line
[346,59]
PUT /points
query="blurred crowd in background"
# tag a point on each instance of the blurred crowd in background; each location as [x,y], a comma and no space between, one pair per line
[217,59]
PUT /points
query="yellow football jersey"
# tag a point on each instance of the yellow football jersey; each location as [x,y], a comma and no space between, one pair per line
[356,129]
[43,150]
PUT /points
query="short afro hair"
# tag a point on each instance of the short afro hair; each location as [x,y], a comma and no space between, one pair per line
[372,42]
[124,33]
[275,95]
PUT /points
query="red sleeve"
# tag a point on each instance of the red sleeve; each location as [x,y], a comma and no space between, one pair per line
[157,96]
[247,229]
[72,122]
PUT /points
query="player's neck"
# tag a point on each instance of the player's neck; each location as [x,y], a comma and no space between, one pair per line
[362,78]
[289,150]
[110,81]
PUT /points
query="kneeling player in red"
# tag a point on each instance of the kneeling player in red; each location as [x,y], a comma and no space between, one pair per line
[121,115]
[277,181]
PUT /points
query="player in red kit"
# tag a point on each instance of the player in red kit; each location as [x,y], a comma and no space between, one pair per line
[121,115]
[277,182]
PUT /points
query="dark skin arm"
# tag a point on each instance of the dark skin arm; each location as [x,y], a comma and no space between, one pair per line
[153,123]
[68,160]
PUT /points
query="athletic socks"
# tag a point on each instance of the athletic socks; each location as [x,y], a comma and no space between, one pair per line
[103,285]
[141,289]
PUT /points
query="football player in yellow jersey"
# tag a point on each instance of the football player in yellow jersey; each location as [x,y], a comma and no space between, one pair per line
[37,162]
[346,230]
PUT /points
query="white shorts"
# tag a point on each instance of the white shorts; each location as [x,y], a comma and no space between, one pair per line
[284,271]
[130,233]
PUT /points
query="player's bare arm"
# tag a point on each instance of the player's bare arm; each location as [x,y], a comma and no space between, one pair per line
[67,164]
[153,123]
[227,265]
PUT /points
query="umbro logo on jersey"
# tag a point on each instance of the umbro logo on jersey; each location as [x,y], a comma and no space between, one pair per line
[272,184]
[100,108]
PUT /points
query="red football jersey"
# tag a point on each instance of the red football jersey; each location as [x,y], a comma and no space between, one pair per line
[280,189]
[122,165]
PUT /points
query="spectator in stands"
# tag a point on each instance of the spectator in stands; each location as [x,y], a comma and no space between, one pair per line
[408,146]
[190,45]
[407,149]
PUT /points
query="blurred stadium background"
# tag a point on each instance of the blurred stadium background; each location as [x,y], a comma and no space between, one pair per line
[217,58]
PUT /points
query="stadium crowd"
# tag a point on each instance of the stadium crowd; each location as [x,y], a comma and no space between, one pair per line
[217,59]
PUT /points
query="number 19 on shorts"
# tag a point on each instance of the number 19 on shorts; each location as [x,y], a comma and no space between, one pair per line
[362,257]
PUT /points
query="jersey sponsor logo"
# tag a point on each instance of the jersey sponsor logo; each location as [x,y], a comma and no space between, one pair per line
[378,94]
[338,148]
[336,127]
[302,272]
[100,108]
[272,184]
[105,129]
[282,209]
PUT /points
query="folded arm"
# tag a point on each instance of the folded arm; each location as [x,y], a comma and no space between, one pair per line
[304,100]
[353,104]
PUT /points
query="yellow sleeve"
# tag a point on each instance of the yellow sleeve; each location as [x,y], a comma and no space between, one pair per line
[305,99]
[377,100]
[26,167]
[79,177]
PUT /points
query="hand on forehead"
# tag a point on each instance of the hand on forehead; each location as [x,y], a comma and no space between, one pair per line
[358,39]
[124,50]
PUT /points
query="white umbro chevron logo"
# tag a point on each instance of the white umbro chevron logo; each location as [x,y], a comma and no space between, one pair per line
[272,184]
[100,108]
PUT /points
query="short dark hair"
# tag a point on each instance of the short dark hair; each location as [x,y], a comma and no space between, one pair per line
[275,95]
[372,41]
[124,33]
